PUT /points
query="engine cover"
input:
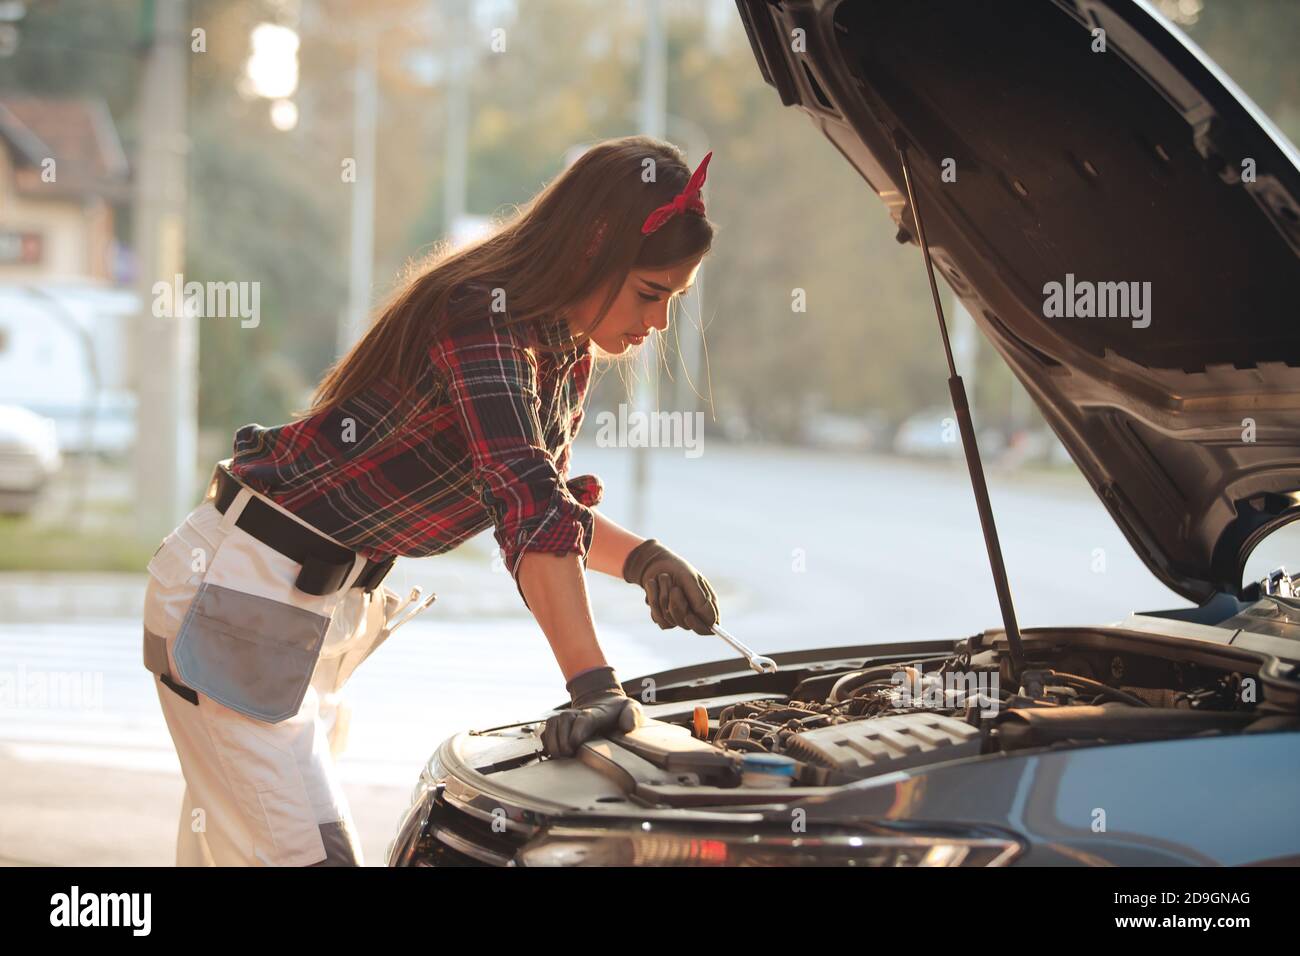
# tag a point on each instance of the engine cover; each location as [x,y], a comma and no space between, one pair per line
[864,748]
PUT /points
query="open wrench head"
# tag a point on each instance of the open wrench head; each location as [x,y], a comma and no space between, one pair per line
[761,664]
[411,613]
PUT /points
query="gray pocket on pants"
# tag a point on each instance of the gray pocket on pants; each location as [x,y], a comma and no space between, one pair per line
[250,653]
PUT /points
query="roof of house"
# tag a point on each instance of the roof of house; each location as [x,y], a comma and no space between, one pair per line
[77,132]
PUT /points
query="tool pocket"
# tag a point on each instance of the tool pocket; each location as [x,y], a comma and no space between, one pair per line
[170,588]
[177,568]
[383,602]
[271,785]
[170,564]
[250,640]
[360,625]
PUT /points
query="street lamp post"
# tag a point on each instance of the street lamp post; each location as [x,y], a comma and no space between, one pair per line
[165,347]
[653,121]
[361,248]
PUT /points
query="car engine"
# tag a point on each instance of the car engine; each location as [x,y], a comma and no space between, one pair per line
[835,729]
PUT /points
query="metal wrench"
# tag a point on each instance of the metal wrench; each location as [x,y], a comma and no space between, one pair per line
[415,596]
[764,665]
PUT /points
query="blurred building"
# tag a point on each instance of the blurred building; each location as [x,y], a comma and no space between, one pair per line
[62,171]
[64,311]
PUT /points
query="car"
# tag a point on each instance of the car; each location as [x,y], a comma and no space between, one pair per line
[1027,149]
[933,434]
[29,458]
[839,432]
[63,356]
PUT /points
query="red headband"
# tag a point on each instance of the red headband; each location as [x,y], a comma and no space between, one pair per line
[688,200]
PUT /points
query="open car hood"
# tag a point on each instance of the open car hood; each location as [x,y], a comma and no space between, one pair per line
[1140,164]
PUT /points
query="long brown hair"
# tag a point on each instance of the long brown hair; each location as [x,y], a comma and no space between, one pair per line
[539,257]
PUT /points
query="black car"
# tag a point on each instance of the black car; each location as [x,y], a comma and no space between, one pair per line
[1124,225]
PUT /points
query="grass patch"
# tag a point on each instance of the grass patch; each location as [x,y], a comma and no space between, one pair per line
[29,546]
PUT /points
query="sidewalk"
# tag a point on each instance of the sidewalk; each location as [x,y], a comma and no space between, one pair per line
[96,781]
[58,814]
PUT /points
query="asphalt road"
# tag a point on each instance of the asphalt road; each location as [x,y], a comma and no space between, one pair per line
[803,549]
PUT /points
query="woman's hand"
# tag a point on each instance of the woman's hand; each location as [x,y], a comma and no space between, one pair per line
[678,595]
[599,707]
[554,588]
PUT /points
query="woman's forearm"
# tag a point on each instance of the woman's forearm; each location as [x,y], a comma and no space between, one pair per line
[555,588]
[610,545]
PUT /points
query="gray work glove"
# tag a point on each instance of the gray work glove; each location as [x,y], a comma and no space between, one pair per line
[598,707]
[678,595]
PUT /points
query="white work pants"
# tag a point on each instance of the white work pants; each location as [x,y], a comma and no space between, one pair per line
[251,696]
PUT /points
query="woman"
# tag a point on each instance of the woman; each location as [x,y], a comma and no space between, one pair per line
[455,412]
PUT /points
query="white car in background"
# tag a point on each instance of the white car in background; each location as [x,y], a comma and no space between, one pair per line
[933,434]
[29,458]
[64,355]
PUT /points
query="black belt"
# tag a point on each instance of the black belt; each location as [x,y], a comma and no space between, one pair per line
[325,565]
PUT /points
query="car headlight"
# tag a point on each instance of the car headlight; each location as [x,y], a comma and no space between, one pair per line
[431,774]
[653,846]
[411,824]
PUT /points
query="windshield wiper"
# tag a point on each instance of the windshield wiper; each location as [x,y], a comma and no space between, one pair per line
[961,407]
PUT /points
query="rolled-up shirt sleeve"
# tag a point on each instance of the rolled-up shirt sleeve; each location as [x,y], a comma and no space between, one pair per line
[587,489]
[491,379]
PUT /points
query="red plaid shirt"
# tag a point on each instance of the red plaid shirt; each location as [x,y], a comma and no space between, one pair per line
[487,444]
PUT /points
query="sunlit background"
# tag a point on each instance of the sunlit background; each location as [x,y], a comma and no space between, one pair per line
[314,148]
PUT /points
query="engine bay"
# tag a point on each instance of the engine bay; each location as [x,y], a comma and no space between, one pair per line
[838,727]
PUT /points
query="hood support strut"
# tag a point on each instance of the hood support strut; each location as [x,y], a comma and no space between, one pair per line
[961,406]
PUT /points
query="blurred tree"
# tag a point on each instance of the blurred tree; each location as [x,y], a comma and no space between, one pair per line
[78,47]
[1255,43]
[272,206]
